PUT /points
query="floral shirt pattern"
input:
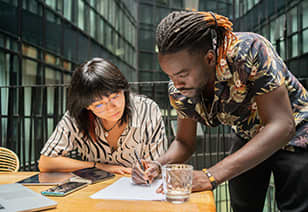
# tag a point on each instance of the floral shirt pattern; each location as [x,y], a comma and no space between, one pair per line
[252,67]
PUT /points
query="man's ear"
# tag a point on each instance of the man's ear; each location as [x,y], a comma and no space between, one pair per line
[210,57]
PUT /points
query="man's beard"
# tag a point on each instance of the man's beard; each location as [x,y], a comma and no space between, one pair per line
[198,93]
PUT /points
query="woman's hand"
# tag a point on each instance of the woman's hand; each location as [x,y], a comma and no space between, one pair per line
[152,170]
[116,169]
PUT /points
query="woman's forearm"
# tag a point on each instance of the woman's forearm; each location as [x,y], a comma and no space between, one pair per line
[62,164]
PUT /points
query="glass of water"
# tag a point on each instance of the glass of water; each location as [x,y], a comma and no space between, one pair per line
[177,182]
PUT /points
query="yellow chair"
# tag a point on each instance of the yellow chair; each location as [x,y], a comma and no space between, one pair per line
[9,161]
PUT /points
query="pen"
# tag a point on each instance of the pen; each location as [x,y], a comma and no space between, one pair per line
[139,161]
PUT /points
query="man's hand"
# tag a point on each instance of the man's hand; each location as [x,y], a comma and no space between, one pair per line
[114,168]
[200,181]
[152,170]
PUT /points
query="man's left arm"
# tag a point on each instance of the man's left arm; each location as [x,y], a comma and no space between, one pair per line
[275,111]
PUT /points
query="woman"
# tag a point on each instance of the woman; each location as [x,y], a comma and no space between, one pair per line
[105,123]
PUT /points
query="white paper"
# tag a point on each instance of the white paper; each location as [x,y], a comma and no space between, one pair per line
[124,189]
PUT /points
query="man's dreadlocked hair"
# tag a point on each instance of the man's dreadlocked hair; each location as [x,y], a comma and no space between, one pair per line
[195,31]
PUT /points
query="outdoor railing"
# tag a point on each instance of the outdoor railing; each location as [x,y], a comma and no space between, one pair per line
[30,113]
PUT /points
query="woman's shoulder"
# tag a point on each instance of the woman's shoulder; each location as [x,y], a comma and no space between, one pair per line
[67,121]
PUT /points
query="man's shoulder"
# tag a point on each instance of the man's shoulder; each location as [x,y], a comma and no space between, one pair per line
[245,42]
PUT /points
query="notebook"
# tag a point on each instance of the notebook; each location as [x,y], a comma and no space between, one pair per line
[47,178]
[16,197]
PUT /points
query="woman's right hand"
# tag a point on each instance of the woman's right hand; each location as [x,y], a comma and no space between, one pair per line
[152,170]
[116,169]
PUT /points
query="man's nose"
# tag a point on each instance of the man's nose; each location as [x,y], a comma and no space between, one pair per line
[178,83]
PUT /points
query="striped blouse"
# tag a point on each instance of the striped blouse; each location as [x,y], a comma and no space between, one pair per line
[145,132]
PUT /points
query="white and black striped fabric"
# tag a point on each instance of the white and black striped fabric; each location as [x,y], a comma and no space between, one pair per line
[145,133]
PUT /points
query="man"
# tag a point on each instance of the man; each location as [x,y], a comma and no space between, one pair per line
[237,79]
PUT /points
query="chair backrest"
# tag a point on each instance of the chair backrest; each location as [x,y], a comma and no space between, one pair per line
[9,161]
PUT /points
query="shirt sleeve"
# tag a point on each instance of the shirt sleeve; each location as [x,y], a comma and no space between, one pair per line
[264,67]
[62,140]
[155,140]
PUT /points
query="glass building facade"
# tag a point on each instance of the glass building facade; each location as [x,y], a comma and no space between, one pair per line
[44,40]
[284,23]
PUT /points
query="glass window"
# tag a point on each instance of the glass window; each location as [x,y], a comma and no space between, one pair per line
[105,7]
[117,17]
[161,13]
[237,6]
[31,6]
[145,76]
[146,61]
[83,45]
[146,40]
[67,12]
[33,32]
[126,28]
[305,41]
[273,27]
[51,3]
[250,4]
[4,68]
[29,76]
[178,4]
[60,6]
[162,2]
[13,69]
[305,14]
[282,51]
[70,38]
[120,47]
[87,19]
[52,76]
[53,34]
[92,3]
[92,23]
[2,40]
[112,13]
[146,14]
[108,36]
[29,51]
[81,14]
[112,41]
[67,65]
[12,44]
[102,34]
[121,22]
[294,42]
[97,27]
[292,21]
[29,72]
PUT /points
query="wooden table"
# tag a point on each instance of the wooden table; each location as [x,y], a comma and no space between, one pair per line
[81,201]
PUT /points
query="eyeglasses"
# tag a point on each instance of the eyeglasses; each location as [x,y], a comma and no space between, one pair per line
[102,105]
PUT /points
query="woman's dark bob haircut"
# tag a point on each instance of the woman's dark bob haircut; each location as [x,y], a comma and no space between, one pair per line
[90,82]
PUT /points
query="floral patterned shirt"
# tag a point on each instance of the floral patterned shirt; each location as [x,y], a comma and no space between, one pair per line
[252,67]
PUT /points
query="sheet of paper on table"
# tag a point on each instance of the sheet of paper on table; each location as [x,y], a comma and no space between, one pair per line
[124,189]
